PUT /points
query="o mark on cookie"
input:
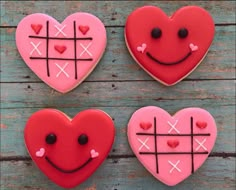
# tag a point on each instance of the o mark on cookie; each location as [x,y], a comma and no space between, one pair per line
[182,33]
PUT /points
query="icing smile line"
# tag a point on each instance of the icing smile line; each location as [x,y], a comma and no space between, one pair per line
[68,171]
[171,63]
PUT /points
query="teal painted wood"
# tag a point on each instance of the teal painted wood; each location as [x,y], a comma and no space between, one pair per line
[115,94]
[122,174]
[112,13]
[119,87]
[13,122]
[117,64]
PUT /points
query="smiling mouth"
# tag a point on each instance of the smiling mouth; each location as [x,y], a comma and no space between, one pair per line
[68,171]
[170,63]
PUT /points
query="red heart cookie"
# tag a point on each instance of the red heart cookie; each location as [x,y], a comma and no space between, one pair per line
[169,48]
[174,147]
[68,150]
[61,54]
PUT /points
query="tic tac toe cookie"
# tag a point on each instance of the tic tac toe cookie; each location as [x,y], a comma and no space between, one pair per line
[68,150]
[61,54]
[171,148]
[169,48]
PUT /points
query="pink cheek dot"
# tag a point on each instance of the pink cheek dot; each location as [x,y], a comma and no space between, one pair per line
[40,153]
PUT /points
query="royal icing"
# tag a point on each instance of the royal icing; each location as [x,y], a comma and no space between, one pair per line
[169,48]
[45,45]
[68,150]
[173,144]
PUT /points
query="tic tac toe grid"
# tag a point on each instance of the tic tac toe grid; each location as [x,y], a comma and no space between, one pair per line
[155,135]
[74,38]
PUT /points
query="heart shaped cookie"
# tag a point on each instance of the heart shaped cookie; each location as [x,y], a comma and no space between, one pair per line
[169,48]
[68,150]
[174,147]
[61,54]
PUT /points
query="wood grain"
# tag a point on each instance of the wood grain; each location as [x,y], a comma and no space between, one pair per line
[122,174]
[119,87]
[118,65]
[112,13]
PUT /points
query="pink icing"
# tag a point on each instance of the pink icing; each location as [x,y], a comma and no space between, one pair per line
[172,168]
[62,81]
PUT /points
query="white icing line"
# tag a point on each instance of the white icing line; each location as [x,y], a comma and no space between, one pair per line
[62,70]
[201,144]
[60,30]
[86,49]
[174,166]
[35,48]
[173,126]
[143,144]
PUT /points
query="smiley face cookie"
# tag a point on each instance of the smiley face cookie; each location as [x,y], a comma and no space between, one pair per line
[169,48]
[61,54]
[68,150]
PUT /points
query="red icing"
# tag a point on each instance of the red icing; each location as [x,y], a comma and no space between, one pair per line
[83,29]
[60,49]
[179,56]
[36,28]
[201,124]
[66,153]
[173,143]
[145,125]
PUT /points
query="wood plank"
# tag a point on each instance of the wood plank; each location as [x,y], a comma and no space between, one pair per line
[112,13]
[126,94]
[117,64]
[114,174]
[13,122]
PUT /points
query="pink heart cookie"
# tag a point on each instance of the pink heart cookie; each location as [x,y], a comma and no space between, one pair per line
[61,54]
[174,147]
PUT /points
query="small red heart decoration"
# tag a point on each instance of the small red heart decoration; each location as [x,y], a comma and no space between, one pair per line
[173,143]
[83,29]
[60,49]
[201,124]
[36,27]
[68,150]
[145,125]
[169,48]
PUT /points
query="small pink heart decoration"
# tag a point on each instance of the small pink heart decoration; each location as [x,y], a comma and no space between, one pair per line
[40,153]
[59,53]
[173,148]
[94,154]
[193,47]
[142,48]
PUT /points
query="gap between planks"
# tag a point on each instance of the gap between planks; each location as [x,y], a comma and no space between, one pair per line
[27,158]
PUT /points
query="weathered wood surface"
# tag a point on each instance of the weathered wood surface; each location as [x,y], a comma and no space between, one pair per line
[118,65]
[122,174]
[119,87]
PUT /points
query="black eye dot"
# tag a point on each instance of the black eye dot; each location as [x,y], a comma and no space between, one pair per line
[183,32]
[51,138]
[156,33]
[83,139]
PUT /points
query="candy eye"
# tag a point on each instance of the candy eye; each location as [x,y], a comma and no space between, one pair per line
[183,33]
[83,139]
[51,138]
[156,33]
